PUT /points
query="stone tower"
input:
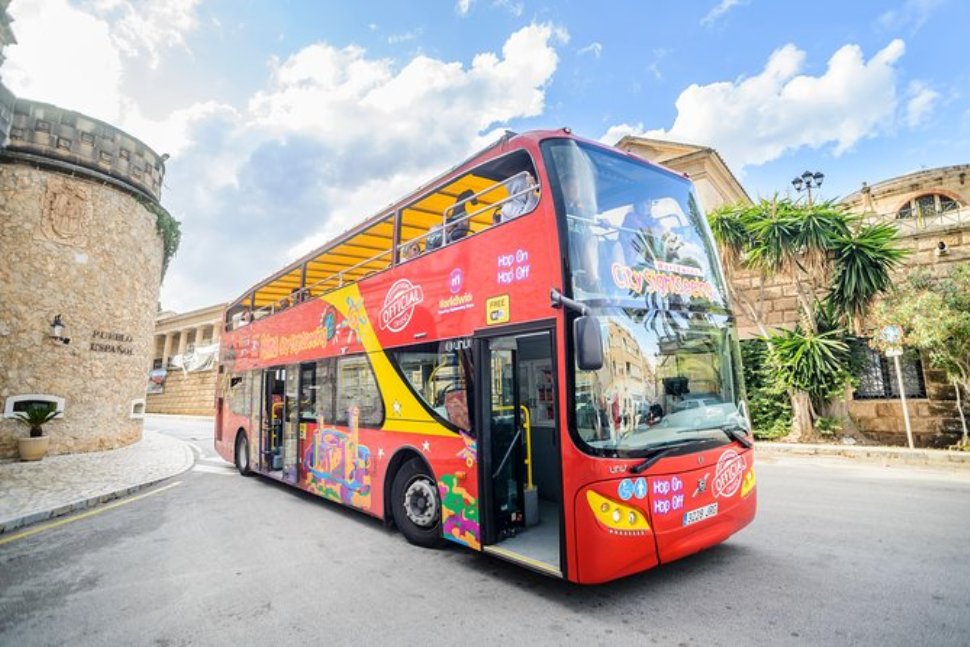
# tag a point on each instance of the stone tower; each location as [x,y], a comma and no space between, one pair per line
[83,245]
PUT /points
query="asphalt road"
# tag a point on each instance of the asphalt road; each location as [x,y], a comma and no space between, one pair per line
[841,554]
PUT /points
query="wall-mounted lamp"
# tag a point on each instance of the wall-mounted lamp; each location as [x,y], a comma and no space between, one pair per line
[57,331]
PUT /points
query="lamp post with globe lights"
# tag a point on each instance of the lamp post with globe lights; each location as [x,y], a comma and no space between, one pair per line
[808,181]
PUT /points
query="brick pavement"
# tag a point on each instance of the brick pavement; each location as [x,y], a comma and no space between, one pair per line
[35,491]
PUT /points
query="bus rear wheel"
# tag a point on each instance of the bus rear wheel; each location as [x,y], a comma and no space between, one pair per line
[416,505]
[242,455]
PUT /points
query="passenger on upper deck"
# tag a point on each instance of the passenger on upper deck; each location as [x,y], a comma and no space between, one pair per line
[410,250]
[457,226]
[522,201]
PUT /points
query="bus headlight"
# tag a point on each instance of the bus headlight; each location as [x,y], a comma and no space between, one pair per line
[618,518]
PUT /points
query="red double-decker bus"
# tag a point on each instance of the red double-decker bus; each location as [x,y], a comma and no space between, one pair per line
[533,355]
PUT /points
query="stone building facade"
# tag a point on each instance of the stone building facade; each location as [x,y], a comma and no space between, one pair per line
[81,248]
[183,379]
[931,209]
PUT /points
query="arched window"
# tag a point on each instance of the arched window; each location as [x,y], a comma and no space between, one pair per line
[928,204]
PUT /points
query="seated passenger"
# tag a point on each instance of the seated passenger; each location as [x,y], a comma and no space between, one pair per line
[458,216]
[522,201]
[456,227]
[410,250]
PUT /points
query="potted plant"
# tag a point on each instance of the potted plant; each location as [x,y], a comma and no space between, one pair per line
[34,447]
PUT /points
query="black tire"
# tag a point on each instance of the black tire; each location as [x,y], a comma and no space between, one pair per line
[242,454]
[416,505]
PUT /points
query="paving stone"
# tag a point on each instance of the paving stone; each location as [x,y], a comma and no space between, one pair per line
[35,491]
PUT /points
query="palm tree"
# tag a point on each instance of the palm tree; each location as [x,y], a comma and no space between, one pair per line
[818,250]
[863,261]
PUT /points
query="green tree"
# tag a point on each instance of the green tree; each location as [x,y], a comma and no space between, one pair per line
[818,250]
[767,397]
[934,313]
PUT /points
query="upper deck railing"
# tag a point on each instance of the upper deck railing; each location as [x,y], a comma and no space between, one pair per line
[405,251]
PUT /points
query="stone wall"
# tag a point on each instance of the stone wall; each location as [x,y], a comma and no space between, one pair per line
[934,419]
[191,394]
[89,252]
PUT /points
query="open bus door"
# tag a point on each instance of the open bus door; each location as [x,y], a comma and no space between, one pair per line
[279,426]
[520,466]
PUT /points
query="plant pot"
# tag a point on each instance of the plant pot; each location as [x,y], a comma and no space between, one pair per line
[33,449]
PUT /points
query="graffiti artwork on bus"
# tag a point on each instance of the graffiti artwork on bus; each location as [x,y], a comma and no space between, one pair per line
[459,512]
[337,466]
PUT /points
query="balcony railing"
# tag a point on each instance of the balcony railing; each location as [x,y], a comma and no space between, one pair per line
[923,221]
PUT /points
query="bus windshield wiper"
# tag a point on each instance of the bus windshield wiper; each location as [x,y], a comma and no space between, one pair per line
[656,454]
[734,432]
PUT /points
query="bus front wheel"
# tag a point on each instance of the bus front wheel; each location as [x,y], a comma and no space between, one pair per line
[416,506]
[242,455]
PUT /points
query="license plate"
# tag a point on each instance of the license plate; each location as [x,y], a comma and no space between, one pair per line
[700,514]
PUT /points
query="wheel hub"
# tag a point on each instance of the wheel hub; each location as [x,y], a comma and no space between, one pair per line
[420,504]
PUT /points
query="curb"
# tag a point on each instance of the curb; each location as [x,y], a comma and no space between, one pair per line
[903,455]
[15,523]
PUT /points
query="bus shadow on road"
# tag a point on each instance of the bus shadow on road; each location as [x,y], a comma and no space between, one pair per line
[682,576]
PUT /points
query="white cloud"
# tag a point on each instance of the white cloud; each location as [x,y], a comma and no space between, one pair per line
[912,14]
[595,48]
[514,8]
[404,37]
[922,100]
[619,131]
[150,27]
[90,79]
[760,118]
[463,6]
[659,55]
[719,10]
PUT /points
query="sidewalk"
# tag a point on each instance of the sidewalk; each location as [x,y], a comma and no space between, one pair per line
[896,455]
[58,485]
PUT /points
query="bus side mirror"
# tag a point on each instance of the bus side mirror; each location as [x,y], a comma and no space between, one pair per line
[589,343]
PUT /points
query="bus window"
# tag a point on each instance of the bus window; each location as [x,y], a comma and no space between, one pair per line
[440,374]
[325,384]
[357,387]
[239,386]
[308,392]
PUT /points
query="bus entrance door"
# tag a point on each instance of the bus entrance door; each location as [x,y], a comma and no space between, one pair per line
[271,428]
[521,482]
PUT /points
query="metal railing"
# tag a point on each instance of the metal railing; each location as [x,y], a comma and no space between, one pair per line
[408,251]
[922,220]
[339,279]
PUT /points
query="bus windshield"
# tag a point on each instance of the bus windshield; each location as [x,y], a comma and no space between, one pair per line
[641,258]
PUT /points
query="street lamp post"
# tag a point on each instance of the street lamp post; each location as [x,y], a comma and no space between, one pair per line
[808,181]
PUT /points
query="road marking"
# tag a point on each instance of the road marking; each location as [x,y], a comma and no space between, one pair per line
[83,515]
[224,470]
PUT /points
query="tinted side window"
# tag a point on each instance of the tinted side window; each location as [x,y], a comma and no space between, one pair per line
[440,373]
[324,387]
[357,387]
[239,388]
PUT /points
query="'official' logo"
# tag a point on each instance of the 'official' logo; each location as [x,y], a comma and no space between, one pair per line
[399,305]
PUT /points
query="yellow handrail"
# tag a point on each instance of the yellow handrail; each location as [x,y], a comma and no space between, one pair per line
[527,425]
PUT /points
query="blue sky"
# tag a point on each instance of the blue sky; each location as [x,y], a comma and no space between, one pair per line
[290,121]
